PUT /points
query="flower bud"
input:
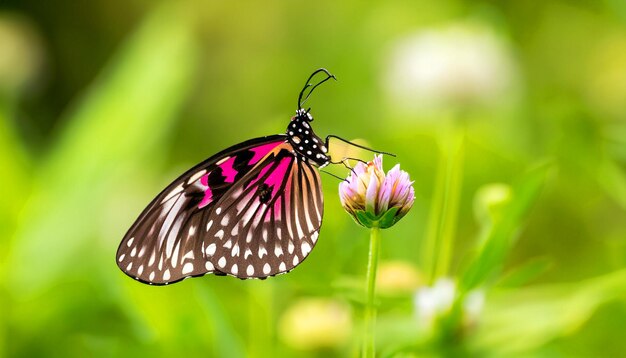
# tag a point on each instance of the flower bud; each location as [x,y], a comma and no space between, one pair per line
[376,199]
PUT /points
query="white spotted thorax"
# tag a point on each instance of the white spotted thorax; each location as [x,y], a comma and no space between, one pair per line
[306,144]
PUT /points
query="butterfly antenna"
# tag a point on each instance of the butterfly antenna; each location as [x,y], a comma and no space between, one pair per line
[358,146]
[334,176]
[308,85]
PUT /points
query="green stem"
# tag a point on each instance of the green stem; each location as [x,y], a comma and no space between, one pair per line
[370,310]
[452,198]
[445,204]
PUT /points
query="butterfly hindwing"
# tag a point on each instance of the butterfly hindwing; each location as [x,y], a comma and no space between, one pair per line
[165,244]
[269,221]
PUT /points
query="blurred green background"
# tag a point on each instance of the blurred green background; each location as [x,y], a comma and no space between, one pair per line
[102,104]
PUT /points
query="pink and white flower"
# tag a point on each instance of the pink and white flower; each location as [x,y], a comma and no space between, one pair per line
[376,199]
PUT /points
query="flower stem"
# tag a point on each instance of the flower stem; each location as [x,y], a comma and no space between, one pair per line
[370,311]
[445,203]
[454,174]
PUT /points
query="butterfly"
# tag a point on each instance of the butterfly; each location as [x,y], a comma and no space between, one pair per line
[251,211]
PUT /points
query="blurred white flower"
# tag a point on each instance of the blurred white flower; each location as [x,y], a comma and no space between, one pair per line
[316,323]
[436,302]
[431,302]
[453,66]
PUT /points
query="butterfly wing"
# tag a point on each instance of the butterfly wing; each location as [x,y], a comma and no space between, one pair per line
[269,221]
[165,244]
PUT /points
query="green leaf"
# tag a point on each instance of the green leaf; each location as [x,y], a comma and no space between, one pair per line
[15,182]
[520,320]
[388,219]
[500,237]
[526,272]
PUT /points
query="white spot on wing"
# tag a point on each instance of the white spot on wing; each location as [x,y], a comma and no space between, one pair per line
[290,247]
[314,236]
[306,248]
[262,251]
[250,270]
[234,270]
[171,237]
[209,266]
[130,266]
[282,267]
[210,250]
[220,234]
[266,268]
[121,258]
[173,192]
[246,254]
[235,251]
[192,230]
[221,161]
[187,268]
[152,276]
[175,256]
[130,242]
[208,225]
[188,255]
[278,250]
[140,270]
[166,275]
[133,252]
[224,221]
[196,176]
[222,262]
[295,260]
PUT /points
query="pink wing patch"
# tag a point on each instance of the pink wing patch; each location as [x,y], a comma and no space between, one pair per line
[230,173]
[208,193]
[261,151]
[275,179]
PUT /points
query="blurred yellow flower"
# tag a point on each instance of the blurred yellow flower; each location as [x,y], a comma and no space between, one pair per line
[397,277]
[316,323]
[21,54]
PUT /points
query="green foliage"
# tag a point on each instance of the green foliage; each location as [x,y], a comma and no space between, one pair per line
[106,103]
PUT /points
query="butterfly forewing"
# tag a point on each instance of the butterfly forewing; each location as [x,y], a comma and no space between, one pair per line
[167,242]
[268,222]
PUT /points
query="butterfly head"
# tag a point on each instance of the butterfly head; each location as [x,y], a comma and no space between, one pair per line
[307,146]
